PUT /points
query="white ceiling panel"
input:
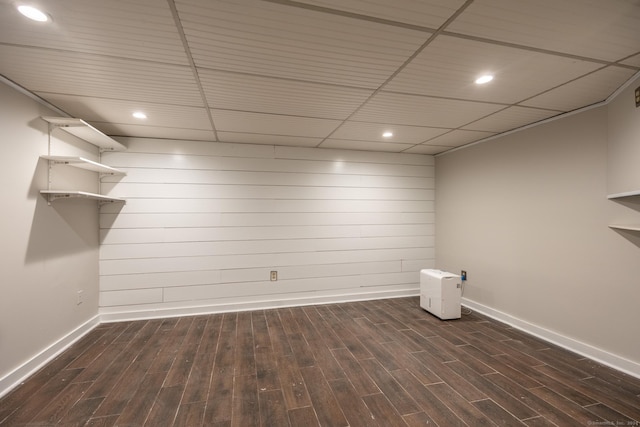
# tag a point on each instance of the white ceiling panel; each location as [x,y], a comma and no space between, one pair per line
[607,30]
[120,112]
[160,132]
[43,70]
[424,13]
[458,137]
[634,61]
[373,132]
[449,66]
[237,121]
[587,90]
[327,73]
[346,144]
[268,139]
[426,149]
[255,37]
[510,118]
[232,91]
[422,110]
[140,29]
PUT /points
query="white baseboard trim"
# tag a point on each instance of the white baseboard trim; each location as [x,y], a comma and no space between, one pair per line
[31,366]
[108,316]
[604,357]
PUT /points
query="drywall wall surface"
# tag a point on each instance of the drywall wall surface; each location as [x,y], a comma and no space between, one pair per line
[624,141]
[206,223]
[527,215]
[48,253]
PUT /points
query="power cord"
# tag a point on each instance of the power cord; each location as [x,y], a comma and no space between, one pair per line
[467,311]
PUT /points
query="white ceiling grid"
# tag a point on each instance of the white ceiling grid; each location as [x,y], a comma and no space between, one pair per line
[322,73]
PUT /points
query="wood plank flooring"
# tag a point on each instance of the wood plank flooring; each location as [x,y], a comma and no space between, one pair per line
[374,363]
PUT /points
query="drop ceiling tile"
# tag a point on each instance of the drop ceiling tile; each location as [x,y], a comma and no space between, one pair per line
[272,124]
[269,39]
[458,137]
[633,61]
[141,131]
[607,30]
[43,70]
[120,112]
[510,118]
[141,29]
[288,72]
[251,138]
[362,131]
[426,149]
[587,90]
[361,145]
[449,66]
[425,111]
[427,13]
[234,91]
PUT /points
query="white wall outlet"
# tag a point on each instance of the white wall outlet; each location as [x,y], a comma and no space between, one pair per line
[79,298]
[274,276]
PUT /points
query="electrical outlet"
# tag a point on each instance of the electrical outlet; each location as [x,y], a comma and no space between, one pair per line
[79,298]
[463,275]
[274,276]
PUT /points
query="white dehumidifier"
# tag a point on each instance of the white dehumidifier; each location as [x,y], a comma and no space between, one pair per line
[440,293]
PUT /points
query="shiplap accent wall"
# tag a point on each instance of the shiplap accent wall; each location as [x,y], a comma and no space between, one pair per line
[205,223]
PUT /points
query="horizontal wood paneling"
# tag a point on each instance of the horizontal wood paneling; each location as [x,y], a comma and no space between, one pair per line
[205,223]
[150,235]
[179,191]
[212,277]
[130,296]
[186,220]
[259,164]
[190,176]
[284,287]
[148,205]
[243,302]
[164,250]
[268,261]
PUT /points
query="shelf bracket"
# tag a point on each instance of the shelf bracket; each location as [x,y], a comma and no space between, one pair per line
[52,197]
[106,174]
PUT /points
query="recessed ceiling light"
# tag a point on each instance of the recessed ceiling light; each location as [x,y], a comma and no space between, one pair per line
[387,134]
[139,115]
[484,79]
[33,13]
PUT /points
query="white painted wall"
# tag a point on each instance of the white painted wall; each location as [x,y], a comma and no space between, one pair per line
[48,253]
[205,223]
[527,216]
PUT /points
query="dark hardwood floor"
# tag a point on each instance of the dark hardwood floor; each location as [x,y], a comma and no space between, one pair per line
[374,363]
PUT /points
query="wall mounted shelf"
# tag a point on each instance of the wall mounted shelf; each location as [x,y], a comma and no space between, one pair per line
[630,227]
[83,130]
[620,197]
[82,163]
[65,194]
[86,132]
[623,195]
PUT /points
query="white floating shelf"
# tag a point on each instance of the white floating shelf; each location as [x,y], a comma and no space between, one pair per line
[83,130]
[82,163]
[66,194]
[625,194]
[629,227]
